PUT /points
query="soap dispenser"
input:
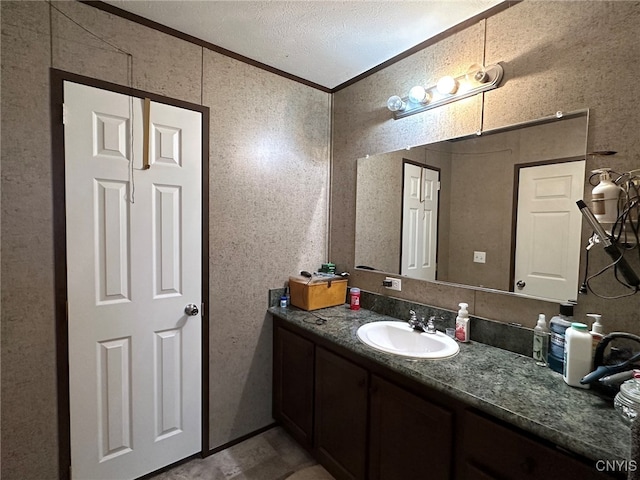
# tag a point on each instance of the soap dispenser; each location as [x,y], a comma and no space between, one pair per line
[597,330]
[462,323]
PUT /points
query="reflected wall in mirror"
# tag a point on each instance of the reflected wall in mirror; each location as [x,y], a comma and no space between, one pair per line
[503,199]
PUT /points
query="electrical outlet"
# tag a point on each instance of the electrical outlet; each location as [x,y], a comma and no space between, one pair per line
[480,257]
[396,283]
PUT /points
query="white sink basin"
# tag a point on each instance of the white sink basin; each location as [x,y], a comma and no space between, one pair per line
[400,339]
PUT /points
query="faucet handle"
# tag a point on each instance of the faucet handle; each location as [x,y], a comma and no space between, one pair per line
[431,328]
[413,320]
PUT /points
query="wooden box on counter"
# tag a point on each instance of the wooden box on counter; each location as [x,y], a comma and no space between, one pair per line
[317,292]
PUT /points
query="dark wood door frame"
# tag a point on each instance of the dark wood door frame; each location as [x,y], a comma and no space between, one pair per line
[57,79]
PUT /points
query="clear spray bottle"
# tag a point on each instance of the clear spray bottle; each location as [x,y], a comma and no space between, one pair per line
[541,341]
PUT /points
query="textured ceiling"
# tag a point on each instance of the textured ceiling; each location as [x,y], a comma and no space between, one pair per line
[323,42]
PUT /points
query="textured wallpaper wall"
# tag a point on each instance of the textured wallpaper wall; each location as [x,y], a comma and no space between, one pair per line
[269,169]
[269,174]
[378,218]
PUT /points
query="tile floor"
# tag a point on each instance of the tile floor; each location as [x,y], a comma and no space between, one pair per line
[272,455]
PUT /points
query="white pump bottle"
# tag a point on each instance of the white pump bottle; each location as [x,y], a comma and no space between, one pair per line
[462,323]
[604,200]
[597,330]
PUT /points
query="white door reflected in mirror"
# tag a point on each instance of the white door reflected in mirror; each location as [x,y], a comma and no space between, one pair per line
[419,221]
[548,230]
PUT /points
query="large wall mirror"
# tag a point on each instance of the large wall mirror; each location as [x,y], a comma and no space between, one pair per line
[494,211]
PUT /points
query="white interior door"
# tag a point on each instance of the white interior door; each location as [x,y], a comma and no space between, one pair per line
[419,222]
[133,264]
[548,230]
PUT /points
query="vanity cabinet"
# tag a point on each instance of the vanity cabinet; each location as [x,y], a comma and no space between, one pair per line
[363,421]
[345,415]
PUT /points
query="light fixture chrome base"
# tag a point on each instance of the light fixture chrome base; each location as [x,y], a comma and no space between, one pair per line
[467,86]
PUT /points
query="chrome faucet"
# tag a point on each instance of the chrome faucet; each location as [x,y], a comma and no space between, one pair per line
[427,327]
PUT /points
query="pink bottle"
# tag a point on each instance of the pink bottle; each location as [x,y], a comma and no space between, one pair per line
[354,303]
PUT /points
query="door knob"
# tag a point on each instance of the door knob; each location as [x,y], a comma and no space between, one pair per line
[520,284]
[191,310]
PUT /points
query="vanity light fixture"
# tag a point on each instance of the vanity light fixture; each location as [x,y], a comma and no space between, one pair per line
[477,79]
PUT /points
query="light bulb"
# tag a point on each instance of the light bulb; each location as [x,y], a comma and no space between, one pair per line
[419,95]
[396,104]
[447,85]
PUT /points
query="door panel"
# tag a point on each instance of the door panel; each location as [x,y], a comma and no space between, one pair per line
[166,240]
[168,362]
[134,263]
[114,398]
[113,244]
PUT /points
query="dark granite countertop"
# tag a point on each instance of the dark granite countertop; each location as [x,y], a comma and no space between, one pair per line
[509,386]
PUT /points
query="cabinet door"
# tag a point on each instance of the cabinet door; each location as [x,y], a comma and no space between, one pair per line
[409,437]
[341,415]
[293,384]
[507,454]
[475,473]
